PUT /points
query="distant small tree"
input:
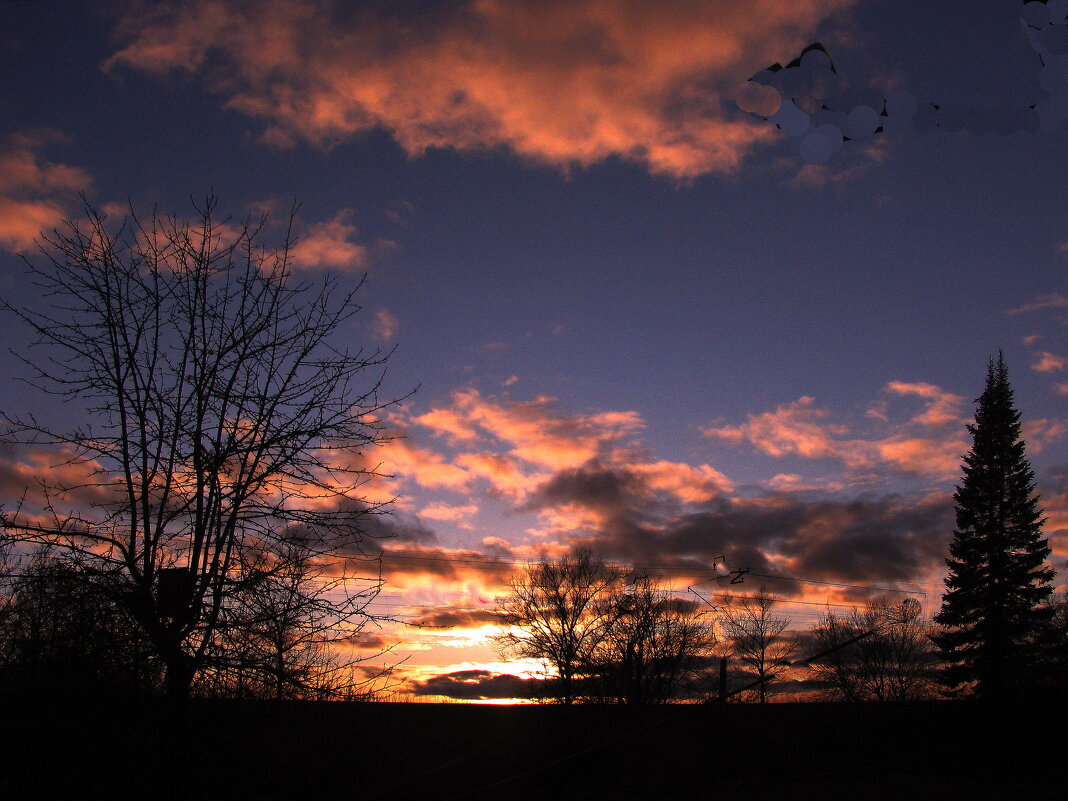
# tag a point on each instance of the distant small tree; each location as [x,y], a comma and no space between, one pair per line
[883,653]
[757,638]
[999,580]
[654,646]
[558,611]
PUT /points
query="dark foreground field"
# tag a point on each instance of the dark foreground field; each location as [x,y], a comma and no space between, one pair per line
[238,750]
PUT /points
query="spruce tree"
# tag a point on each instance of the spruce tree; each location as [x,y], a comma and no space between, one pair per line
[999,580]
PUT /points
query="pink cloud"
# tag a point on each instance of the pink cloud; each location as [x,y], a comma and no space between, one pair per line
[385,325]
[425,467]
[502,472]
[566,519]
[1047,362]
[794,428]
[1038,434]
[1054,300]
[932,457]
[447,512]
[688,483]
[522,442]
[35,195]
[562,82]
[23,221]
[328,246]
[792,482]
[540,434]
[801,429]
[33,477]
[448,422]
[1055,509]
[941,407]
[23,171]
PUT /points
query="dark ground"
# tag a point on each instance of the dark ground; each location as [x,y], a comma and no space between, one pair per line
[208,749]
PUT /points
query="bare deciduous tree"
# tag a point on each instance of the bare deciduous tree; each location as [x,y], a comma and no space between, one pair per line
[654,645]
[558,611]
[604,639]
[221,418]
[883,653]
[757,638]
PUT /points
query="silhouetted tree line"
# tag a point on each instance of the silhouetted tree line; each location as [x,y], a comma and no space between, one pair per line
[1000,632]
[64,630]
[60,633]
[604,640]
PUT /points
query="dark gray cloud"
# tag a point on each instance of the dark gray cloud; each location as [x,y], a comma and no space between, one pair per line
[456,618]
[886,537]
[413,559]
[594,486]
[837,538]
[398,527]
[476,685]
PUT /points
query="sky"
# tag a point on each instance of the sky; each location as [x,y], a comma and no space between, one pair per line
[649,306]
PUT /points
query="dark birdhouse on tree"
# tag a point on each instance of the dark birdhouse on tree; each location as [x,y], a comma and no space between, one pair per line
[174,593]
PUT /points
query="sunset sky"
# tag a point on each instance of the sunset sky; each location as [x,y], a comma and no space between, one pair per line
[640,319]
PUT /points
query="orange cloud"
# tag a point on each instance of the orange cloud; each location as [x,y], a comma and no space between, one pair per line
[34,194]
[562,82]
[538,433]
[502,472]
[443,511]
[799,429]
[942,407]
[1047,362]
[926,456]
[450,423]
[328,246]
[792,429]
[688,483]
[425,467]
